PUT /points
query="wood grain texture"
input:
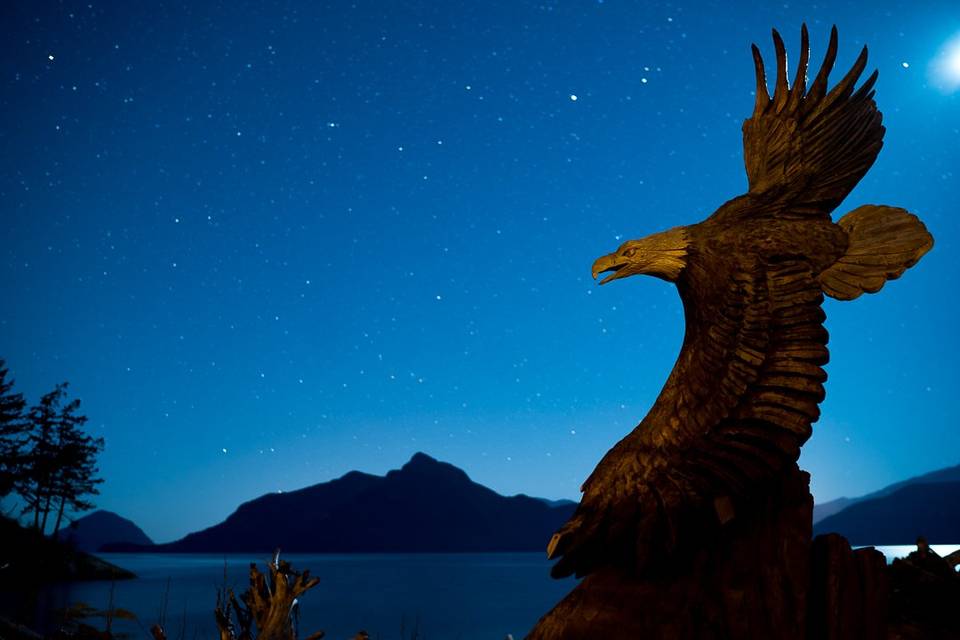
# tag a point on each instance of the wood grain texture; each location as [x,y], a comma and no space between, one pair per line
[749,582]
[745,390]
[883,243]
[810,148]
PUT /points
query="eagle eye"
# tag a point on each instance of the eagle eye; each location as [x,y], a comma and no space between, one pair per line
[629,253]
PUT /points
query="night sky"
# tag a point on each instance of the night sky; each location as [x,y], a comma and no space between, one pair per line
[270,243]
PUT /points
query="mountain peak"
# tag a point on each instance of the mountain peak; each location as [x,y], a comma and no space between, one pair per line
[420,459]
[101,527]
[441,509]
[422,466]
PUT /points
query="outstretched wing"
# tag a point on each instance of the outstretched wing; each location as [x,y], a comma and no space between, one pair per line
[806,150]
[739,403]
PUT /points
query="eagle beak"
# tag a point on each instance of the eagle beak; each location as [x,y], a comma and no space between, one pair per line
[610,262]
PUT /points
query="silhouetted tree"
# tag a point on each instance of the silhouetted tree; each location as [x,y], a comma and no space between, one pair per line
[76,475]
[34,485]
[60,464]
[13,428]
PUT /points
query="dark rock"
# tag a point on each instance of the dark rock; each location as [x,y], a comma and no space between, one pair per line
[953,559]
[925,592]
[29,562]
[10,630]
[29,559]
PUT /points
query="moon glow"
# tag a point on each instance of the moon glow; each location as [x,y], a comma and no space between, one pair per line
[946,66]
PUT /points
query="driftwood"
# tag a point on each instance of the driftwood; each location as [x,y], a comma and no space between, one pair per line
[266,610]
[925,591]
[953,559]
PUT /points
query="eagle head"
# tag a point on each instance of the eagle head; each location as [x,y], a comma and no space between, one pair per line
[663,255]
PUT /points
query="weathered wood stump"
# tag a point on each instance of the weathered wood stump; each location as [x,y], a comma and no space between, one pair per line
[848,593]
[760,577]
[749,581]
[266,610]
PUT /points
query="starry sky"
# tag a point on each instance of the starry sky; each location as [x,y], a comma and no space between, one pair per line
[268,243]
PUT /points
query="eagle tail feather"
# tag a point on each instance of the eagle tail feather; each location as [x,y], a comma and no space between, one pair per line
[883,243]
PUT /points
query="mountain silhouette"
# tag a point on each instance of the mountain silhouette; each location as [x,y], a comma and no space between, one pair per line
[96,529]
[929,509]
[425,506]
[948,474]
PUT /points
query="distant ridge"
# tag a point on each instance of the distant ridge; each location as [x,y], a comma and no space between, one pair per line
[425,506]
[948,474]
[99,528]
[557,503]
[930,509]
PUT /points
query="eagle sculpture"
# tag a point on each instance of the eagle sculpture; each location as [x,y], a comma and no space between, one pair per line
[746,386]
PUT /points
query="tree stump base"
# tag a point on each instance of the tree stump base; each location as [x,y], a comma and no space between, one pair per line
[761,576]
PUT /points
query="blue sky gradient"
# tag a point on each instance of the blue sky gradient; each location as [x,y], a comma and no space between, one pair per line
[268,243]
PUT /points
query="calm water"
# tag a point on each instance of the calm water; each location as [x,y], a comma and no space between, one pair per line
[466,596]
[901,550]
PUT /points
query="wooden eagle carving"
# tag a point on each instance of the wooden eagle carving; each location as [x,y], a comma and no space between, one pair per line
[746,386]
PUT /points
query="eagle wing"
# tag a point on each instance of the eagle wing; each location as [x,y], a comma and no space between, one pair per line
[739,403]
[806,150]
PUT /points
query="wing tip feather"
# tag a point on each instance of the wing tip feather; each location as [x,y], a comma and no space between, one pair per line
[800,81]
[763,98]
[781,90]
[815,116]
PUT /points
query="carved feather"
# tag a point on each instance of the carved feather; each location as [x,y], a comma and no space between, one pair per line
[804,152]
[884,242]
[745,390]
